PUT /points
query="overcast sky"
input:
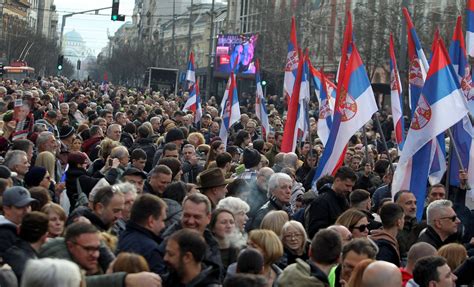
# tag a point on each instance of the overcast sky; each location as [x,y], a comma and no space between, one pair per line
[93,28]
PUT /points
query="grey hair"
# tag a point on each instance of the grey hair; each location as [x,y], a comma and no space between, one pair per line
[189,146]
[109,128]
[275,179]
[125,187]
[119,152]
[51,272]
[43,137]
[290,159]
[12,158]
[234,204]
[436,208]
[63,105]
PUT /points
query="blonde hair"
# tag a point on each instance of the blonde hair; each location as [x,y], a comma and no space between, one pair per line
[454,253]
[54,208]
[198,136]
[349,218]
[299,227]
[106,147]
[270,244]
[274,221]
[47,160]
[130,263]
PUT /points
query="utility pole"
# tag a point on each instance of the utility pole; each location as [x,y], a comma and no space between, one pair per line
[173,47]
[211,53]
[190,30]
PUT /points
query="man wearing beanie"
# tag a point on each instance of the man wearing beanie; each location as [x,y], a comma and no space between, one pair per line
[251,158]
[175,136]
[37,176]
[67,136]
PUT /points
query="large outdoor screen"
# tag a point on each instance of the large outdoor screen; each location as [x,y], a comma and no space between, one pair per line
[232,47]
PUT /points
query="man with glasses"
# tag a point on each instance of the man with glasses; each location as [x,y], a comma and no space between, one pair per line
[442,223]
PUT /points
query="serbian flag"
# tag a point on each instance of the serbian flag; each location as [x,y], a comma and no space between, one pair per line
[194,101]
[470,27]
[457,53]
[396,98]
[290,133]
[355,105]
[302,121]
[463,131]
[292,60]
[325,92]
[441,105]
[230,113]
[418,65]
[260,103]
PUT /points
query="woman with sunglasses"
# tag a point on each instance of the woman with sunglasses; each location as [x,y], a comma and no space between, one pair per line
[356,221]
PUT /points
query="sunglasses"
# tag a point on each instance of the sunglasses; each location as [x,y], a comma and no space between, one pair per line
[361,228]
[452,218]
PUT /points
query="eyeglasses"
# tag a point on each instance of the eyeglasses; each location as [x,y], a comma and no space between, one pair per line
[361,228]
[293,236]
[452,218]
[88,249]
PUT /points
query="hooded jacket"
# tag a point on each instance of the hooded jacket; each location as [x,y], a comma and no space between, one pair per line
[209,277]
[388,246]
[8,234]
[302,274]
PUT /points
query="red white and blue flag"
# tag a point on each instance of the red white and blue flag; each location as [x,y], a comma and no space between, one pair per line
[396,97]
[470,27]
[260,103]
[355,105]
[194,101]
[440,105]
[230,113]
[326,95]
[291,67]
[302,123]
[463,131]
[418,65]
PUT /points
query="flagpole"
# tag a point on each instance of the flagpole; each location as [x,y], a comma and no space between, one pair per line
[384,141]
[448,171]
[458,156]
[366,144]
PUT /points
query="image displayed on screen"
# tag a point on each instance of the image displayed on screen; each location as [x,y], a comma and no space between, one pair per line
[231,46]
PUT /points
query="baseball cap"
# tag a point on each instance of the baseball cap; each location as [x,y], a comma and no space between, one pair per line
[17,196]
[6,173]
[134,171]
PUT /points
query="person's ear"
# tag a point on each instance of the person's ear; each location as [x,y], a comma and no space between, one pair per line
[187,257]
[99,208]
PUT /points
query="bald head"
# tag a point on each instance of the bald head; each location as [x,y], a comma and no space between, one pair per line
[417,251]
[345,233]
[382,273]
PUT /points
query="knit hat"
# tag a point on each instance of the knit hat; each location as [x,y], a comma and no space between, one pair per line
[65,132]
[34,176]
[6,173]
[76,158]
[174,135]
[251,157]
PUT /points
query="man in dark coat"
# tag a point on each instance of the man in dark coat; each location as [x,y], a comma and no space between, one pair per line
[145,142]
[332,202]
[142,233]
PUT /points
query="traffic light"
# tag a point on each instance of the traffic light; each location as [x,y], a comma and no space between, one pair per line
[60,62]
[115,11]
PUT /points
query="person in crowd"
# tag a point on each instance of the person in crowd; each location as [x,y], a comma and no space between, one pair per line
[191,165]
[142,231]
[360,200]
[185,257]
[16,203]
[250,261]
[32,235]
[129,195]
[270,246]
[130,263]
[56,218]
[138,159]
[274,221]
[76,176]
[158,179]
[259,190]
[212,184]
[17,161]
[295,243]
[332,201]
[381,273]
[417,251]
[37,176]
[386,238]
[356,221]
[48,272]
[324,253]
[175,136]
[435,192]
[454,253]
[344,232]
[433,271]
[279,193]
[239,208]
[358,273]
[251,159]
[442,223]
[222,226]
[217,148]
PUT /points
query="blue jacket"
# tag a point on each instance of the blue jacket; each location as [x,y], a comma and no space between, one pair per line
[140,240]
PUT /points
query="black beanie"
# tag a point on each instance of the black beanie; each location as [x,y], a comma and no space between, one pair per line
[251,157]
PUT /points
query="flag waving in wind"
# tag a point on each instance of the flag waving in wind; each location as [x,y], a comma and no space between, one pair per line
[463,131]
[260,103]
[194,101]
[440,105]
[292,60]
[325,93]
[355,105]
[470,27]
[418,65]
[396,98]
[230,113]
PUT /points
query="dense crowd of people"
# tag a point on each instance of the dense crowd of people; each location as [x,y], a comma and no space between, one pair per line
[102,185]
